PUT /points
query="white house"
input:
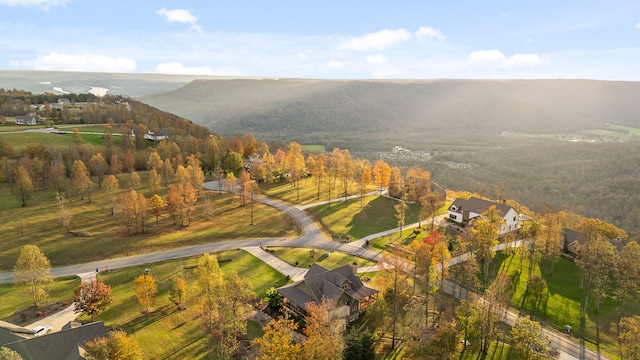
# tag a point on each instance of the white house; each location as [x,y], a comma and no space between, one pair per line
[462,211]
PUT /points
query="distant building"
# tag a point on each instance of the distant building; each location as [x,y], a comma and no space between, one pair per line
[463,211]
[29,119]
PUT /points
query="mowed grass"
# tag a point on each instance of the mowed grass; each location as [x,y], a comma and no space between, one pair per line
[178,331]
[301,257]
[314,148]
[344,218]
[18,297]
[308,191]
[19,141]
[561,305]
[38,224]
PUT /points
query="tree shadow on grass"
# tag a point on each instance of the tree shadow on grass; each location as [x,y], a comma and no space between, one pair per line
[143,320]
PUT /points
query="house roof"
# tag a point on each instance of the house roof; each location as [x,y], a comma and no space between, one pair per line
[571,236]
[319,282]
[477,206]
[61,345]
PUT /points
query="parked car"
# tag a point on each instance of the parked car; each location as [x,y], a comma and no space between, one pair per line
[42,329]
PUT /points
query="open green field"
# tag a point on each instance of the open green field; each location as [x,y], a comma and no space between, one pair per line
[7,128]
[314,148]
[561,305]
[20,140]
[301,257]
[625,129]
[348,218]
[38,224]
[15,298]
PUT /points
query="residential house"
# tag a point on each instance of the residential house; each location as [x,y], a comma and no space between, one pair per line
[573,239]
[341,285]
[28,119]
[66,344]
[464,211]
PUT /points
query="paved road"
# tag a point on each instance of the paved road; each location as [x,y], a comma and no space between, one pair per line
[312,238]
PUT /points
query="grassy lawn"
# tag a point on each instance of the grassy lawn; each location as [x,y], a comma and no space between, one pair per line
[38,224]
[179,332]
[286,192]
[6,128]
[19,141]
[15,298]
[301,257]
[562,304]
[348,218]
[314,148]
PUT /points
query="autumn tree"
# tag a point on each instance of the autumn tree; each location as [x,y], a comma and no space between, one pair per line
[195,171]
[155,181]
[157,205]
[397,292]
[154,161]
[323,331]
[8,354]
[551,236]
[175,202]
[628,338]
[597,259]
[190,198]
[401,214]
[115,165]
[295,165]
[363,178]
[254,194]
[146,290]
[129,162]
[628,276]
[134,180]
[484,237]
[529,341]
[237,304]
[381,174]
[65,214]
[278,341]
[167,171]
[112,188]
[91,298]
[469,320]
[33,270]
[98,166]
[117,346]
[178,294]
[233,161]
[317,166]
[80,179]
[23,182]
[243,182]
[492,307]
[537,286]
[396,183]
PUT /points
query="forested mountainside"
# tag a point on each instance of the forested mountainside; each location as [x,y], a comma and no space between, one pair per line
[437,111]
[568,144]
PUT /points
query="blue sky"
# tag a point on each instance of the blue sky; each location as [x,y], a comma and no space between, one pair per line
[345,39]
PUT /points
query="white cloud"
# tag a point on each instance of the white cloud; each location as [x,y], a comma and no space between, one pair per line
[499,57]
[178,68]
[637,26]
[429,33]
[42,4]
[523,60]
[181,16]
[79,62]
[377,40]
[486,55]
[376,59]
[335,64]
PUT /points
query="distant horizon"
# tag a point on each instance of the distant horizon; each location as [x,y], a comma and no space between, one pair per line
[332,39]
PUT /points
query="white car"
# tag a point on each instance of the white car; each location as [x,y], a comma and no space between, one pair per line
[42,329]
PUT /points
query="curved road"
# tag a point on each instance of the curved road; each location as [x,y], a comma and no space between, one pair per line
[312,237]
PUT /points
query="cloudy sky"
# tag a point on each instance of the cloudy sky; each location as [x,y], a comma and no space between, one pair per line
[354,39]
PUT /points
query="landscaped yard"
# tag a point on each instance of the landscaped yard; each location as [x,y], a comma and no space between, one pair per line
[562,304]
[301,257]
[344,218]
[286,192]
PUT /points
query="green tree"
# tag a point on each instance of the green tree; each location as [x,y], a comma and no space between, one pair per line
[34,270]
[359,345]
[273,298]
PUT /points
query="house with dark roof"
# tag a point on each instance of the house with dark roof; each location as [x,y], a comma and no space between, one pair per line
[66,344]
[28,119]
[464,211]
[342,286]
[573,239]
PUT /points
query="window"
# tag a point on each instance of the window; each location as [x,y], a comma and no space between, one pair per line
[453,216]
